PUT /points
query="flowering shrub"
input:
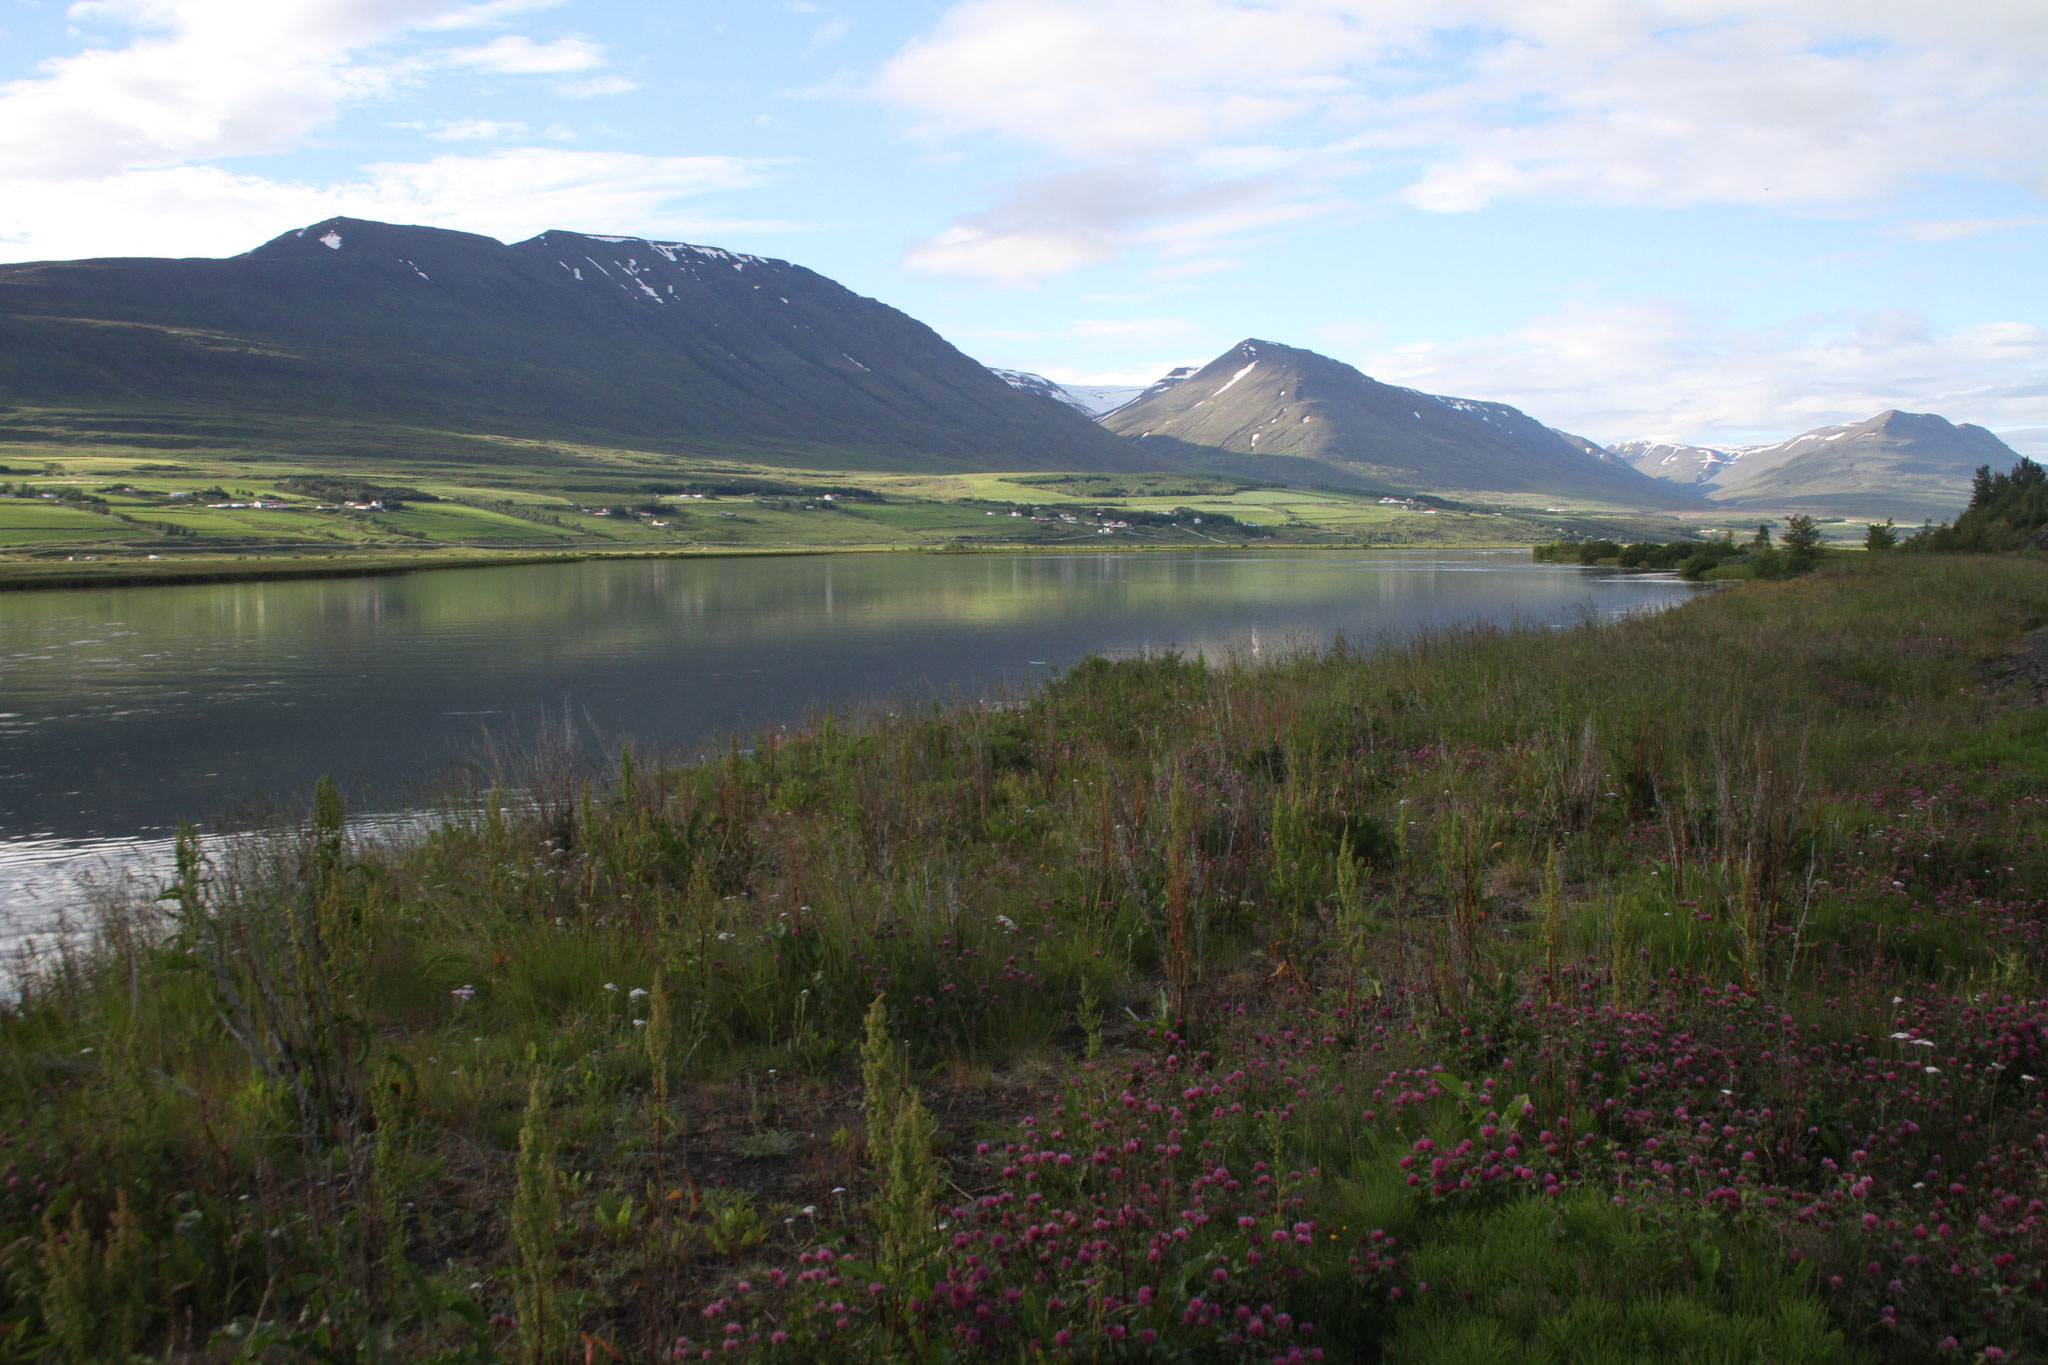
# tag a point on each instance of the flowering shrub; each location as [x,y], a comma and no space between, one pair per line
[1135,1217]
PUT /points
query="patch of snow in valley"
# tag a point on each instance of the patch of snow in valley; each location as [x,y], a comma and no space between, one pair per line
[331,240]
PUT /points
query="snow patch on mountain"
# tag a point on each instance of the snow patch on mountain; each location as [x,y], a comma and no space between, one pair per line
[1026,382]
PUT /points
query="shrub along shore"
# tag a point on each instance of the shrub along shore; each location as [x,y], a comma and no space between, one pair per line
[1670,987]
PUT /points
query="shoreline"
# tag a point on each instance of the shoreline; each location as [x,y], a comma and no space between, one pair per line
[21,576]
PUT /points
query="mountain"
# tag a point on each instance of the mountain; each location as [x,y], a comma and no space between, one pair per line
[1167,381]
[1267,400]
[1680,464]
[1102,399]
[1896,464]
[1894,457]
[1026,382]
[1090,400]
[410,334]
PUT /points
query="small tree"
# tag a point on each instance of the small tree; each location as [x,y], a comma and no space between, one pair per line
[1880,538]
[1802,541]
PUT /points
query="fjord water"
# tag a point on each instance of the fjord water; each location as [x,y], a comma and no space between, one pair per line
[123,711]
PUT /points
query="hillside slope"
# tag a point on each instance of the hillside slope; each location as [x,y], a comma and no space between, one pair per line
[686,350]
[1897,463]
[1268,400]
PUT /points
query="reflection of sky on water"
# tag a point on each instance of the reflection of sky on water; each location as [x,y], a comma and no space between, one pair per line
[123,710]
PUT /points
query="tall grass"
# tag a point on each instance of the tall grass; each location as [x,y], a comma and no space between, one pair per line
[1616,943]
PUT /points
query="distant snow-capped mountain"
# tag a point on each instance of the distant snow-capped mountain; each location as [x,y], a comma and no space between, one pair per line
[1091,400]
[1896,463]
[1102,399]
[1326,422]
[1671,461]
[1026,382]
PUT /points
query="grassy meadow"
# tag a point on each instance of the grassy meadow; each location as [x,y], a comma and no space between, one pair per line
[83,501]
[1669,989]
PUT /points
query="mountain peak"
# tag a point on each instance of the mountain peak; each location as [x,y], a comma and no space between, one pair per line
[1263,398]
[354,235]
[1897,463]
[661,347]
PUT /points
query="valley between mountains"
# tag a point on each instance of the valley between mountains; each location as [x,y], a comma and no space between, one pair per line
[353,394]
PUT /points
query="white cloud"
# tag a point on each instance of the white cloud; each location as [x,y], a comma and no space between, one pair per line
[1954,229]
[1052,224]
[97,144]
[1013,256]
[478,130]
[174,81]
[2027,440]
[517,55]
[193,210]
[1796,104]
[1149,330]
[1665,371]
[488,12]
[1194,269]
[829,32]
[596,87]
[198,78]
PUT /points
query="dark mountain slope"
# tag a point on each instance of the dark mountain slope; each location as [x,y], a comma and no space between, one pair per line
[565,337]
[1259,398]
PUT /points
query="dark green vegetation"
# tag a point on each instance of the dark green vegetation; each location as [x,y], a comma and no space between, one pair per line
[1718,557]
[2006,511]
[1663,990]
[437,346]
[1298,410]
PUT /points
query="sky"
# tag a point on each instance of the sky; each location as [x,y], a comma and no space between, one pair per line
[1693,220]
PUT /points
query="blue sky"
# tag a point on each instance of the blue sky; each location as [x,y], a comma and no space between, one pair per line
[1685,219]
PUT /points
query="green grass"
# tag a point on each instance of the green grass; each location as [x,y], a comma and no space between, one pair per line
[506,494]
[1641,909]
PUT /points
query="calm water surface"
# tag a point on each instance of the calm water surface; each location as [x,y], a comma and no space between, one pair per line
[123,711]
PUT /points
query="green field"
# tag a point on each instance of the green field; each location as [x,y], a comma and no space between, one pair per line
[141,510]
